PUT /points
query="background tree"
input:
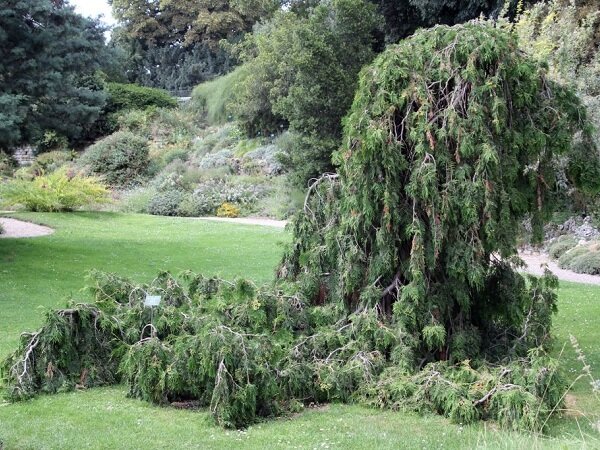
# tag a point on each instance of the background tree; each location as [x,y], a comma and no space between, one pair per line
[48,59]
[175,44]
[566,36]
[302,74]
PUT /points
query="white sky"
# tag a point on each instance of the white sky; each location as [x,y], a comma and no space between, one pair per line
[94,8]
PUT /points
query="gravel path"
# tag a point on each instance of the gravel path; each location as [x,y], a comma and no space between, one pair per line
[534,261]
[249,221]
[14,228]
[18,229]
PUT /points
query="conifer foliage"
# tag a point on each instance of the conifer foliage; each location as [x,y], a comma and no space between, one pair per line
[451,143]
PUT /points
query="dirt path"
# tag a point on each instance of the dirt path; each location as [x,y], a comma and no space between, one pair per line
[535,260]
[14,228]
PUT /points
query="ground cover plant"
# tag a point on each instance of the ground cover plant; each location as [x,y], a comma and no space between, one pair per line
[106,417]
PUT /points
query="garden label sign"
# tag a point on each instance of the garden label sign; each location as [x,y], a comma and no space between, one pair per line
[152,300]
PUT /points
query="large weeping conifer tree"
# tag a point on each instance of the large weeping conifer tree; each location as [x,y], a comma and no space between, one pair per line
[451,143]
[405,254]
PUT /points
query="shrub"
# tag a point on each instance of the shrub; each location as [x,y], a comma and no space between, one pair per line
[165,203]
[222,158]
[59,191]
[52,141]
[264,160]
[582,259]
[211,194]
[132,96]
[51,161]
[588,263]
[561,245]
[136,200]
[567,258]
[282,200]
[217,139]
[121,158]
[174,126]
[7,165]
[228,210]
[249,353]
[189,207]
[211,98]
[174,153]
[136,120]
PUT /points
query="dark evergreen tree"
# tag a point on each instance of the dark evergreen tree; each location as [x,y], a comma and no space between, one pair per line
[48,59]
[175,45]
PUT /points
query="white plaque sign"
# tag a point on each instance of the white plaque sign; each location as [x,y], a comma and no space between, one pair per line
[152,300]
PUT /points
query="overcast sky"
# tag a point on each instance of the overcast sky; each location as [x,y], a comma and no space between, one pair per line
[94,8]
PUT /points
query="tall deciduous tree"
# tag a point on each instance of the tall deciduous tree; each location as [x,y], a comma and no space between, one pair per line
[302,73]
[48,58]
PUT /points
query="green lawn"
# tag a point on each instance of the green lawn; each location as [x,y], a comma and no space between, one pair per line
[43,272]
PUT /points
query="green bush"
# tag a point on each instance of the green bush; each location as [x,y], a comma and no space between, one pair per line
[132,96]
[174,126]
[588,263]
[189,207]
[215,139]
[62,190]
[211,98]
[582,259]
[45,163]
[136,200]
[121,158]
[52,141]
[282,201]
[165,203]
[51,161]
[248,353]
[567,258]
[137,121]
[7,165]
[561,245]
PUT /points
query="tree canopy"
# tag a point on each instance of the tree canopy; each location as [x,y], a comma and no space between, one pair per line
[48,59]
[451,142]
[175,44]
[301,72]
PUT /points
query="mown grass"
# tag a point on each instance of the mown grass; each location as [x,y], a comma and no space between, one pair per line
[42,272]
